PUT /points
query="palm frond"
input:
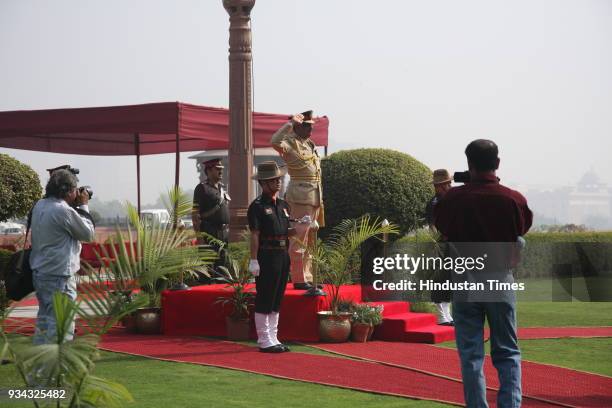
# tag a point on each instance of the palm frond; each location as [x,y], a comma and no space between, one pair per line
[100,392]
[332,258]
[177,203]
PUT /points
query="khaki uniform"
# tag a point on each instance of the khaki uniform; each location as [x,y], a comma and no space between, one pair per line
[304,193]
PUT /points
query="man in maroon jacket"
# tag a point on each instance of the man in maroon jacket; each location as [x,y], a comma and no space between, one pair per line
[483,211]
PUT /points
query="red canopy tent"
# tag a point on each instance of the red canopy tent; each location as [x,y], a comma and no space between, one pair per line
[151,128]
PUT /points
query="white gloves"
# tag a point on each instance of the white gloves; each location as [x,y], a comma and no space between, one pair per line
[254,267]
[307,219]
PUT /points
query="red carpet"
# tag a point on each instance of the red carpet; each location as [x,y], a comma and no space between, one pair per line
[30,301]
[527,333]
[546,382]
[373,378]
[338,372]
[344,373]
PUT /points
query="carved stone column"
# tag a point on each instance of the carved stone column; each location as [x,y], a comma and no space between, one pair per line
[240,108]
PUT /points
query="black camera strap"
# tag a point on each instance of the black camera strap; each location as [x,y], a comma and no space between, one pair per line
[85,214]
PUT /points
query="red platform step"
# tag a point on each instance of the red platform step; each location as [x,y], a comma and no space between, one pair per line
[399,324]
[196,313]
[431,334]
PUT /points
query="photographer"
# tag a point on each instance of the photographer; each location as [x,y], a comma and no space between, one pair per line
[483,211]
[57,229]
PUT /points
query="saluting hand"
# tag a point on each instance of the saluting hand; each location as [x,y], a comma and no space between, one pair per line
[297,118]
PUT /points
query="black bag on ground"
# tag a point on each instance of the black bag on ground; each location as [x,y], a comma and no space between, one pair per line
[18,275]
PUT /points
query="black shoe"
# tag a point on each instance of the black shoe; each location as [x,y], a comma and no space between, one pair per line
[272,349]
[319,286]
[284,347]
[302,286]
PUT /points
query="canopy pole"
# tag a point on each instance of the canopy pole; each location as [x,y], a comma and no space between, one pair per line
[137,141]
[177,163]
[176,177]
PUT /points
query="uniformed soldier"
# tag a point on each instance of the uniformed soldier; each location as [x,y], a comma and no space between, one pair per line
[210,213]
[440,298]
[304,193]
[269,219]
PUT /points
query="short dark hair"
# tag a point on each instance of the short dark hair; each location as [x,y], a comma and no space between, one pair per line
[482,154]
[60,184]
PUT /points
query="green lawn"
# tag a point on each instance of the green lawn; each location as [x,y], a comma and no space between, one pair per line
[158,384]
[549,314]
[593,355]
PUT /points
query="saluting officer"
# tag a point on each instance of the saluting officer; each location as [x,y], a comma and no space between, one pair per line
[269,219]
[304,193]
[210,213]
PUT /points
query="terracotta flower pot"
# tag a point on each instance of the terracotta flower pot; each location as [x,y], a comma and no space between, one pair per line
[237,329]
[370,332]
[129,322]
[148,320]
[334,328]
[360,332]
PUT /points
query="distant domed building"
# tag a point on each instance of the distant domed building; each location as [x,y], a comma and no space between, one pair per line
[588,202]
[589,199]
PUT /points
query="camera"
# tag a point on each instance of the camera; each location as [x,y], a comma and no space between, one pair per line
[461,177]
[74,171]
[88,189]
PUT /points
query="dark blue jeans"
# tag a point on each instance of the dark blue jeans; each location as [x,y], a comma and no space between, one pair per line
[505,354]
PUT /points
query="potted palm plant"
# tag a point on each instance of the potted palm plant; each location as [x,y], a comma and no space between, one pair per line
[240,300]
[333,259]
[153,257]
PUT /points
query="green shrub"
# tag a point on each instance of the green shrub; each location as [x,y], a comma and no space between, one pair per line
[5,256]
[543,251]
[239,250]
[384,183]
[19,188]
[550,237]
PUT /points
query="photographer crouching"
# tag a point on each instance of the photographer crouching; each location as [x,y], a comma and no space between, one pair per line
[59,222]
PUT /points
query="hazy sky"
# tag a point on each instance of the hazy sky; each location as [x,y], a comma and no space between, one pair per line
[423,77]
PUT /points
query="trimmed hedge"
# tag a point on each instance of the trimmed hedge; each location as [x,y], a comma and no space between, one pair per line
[5,256]
[19,188]
[550,237]
[384,183]
[544,250]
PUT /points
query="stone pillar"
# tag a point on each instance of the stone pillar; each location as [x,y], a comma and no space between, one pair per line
[240,125]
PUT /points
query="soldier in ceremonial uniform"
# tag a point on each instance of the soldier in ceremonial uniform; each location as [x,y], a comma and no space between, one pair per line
[304,193]
[210,213]
[269,219]
[440,298]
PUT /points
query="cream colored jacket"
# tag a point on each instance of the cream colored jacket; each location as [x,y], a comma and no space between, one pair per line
[303,164]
